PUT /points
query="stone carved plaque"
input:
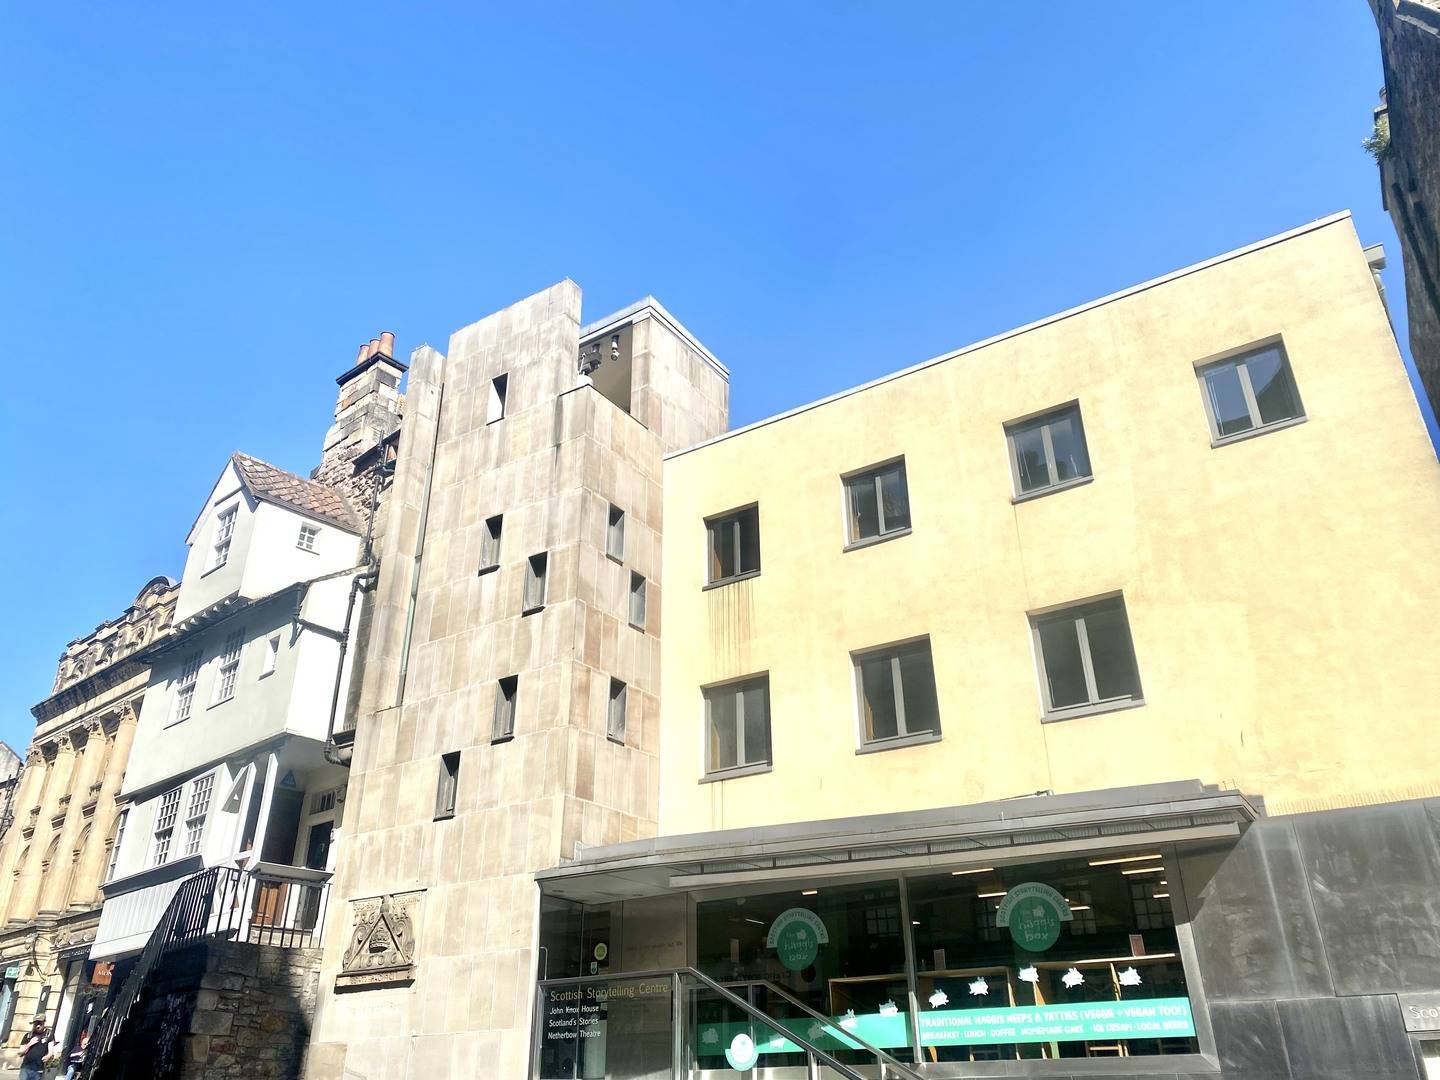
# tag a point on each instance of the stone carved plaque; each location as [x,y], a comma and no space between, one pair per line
[382,942]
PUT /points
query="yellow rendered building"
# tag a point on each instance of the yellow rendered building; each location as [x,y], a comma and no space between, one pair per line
[1278,578]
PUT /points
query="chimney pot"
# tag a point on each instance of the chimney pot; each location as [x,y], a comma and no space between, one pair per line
[360,356]
[387,343]
[372,348]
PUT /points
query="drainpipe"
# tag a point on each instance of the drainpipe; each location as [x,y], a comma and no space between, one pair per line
[419,549]
[334,753]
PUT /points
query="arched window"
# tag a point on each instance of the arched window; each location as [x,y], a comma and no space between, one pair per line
[50,854]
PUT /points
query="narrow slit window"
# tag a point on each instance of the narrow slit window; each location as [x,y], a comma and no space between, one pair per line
[734,541]
[504,723]
[224,531]
[896,687]
[229,667]
[615,534]
[1087,660]
[498,387]
[637,601]
[115,845]
[615,716]
[165,818]
[1049,451]
[490,543]
[536,570]
[1249,393]
[197,811]
[185,689]
[878,503]
[448,785]
[738,722]
[272,655]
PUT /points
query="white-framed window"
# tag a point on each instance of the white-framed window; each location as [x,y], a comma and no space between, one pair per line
[1086,658]
[308,533]
[490,543]
[503,726]
[896,690]
[495,410]
[737,719]
[447,787]
[536,572]
[196,812]
[224,530]
[734,541]
[120,821]
[166,815]
[615,534]
[877,503]
[272,655]
[185,689]
[637,601]
[1048,452]
[615,714]
[229,667]
[1249,393]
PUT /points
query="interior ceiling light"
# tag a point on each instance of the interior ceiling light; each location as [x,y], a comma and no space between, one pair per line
[809,892]
[975,870]
[1161,895]
[1123,859]
[991,895]
[1144,870]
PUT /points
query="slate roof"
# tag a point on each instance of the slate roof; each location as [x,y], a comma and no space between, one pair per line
[269,484]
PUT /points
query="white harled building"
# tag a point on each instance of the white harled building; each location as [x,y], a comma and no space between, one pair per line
[229,767]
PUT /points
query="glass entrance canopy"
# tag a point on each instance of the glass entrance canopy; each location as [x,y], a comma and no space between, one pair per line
[1053,929]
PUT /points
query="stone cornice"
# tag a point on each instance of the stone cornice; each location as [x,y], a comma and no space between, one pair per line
[92,686]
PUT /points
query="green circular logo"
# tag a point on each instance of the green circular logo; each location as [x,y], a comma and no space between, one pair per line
[742,1053]
[797,945]
[1035,925]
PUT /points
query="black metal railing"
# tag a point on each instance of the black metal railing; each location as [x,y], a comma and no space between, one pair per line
[261,907]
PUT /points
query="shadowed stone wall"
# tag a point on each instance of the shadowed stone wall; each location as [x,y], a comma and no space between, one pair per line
[1309,931]
[1410,171]
[220,1011]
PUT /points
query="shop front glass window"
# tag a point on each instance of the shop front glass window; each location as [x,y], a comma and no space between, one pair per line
[1073,959]
[838,949]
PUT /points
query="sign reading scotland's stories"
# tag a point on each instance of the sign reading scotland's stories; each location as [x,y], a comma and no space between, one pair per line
[796,936]
[1033,911]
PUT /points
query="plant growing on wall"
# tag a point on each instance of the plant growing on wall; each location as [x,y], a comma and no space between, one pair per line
[1377,145]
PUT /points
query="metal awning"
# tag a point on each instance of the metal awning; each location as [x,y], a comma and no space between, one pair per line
[1011,830]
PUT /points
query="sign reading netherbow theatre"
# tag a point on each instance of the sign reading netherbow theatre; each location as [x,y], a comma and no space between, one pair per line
[1033,911]
[796,935]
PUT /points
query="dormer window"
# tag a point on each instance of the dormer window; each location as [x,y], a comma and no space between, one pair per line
[224,530]
[308,533]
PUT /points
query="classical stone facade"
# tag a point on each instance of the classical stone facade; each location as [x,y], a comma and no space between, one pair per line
[510,698]
[1408,124]
[54,858]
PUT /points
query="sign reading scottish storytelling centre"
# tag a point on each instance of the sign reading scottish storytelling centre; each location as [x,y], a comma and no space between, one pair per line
[796,936]
[1033,911]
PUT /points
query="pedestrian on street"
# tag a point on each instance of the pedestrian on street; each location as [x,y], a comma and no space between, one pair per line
[76,1059]
[34,1050]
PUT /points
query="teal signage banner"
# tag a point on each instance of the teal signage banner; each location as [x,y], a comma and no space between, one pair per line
[1155,1018]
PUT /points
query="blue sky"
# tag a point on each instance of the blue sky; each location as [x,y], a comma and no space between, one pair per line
[208,207]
